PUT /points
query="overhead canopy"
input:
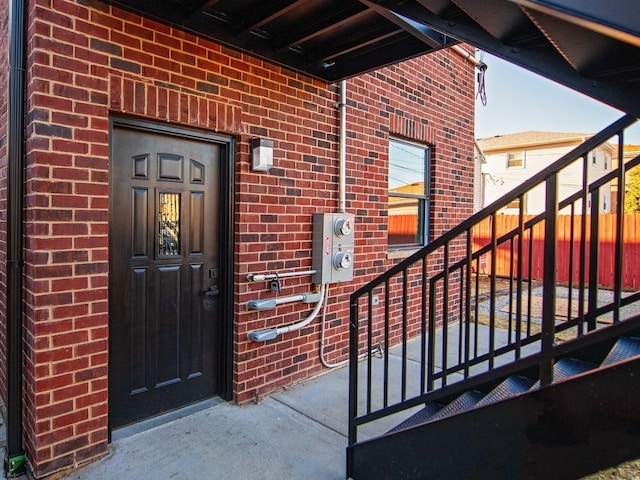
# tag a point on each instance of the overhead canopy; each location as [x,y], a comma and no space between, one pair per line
[590,46]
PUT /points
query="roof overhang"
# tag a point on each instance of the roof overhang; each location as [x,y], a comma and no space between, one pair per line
[592,47]
[326,39]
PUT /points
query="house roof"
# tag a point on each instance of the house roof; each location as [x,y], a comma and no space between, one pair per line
[530,139]
[416,188]
[631,151]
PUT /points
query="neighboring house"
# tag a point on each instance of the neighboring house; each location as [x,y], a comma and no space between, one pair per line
[631,151]
[478,177]
[147,227]
[513,158]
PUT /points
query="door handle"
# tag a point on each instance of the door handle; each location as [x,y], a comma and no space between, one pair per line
[213,291]
[208,301]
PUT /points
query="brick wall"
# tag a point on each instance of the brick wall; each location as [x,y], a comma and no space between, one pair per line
[87,61]
[4,70]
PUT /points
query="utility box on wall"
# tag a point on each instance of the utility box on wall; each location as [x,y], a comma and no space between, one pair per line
[333,247]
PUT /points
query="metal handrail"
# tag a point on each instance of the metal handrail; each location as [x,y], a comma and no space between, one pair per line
[448,297]
[500,203]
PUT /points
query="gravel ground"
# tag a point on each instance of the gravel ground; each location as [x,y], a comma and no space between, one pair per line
[502,299]
[625,471]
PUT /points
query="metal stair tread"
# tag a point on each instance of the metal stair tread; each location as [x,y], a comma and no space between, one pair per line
[464,402]
[418,418]
[624,348]
[509,387]
[435,411]
[568,367]
[564,368]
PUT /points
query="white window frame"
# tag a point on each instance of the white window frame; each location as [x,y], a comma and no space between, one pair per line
[424,208]
[521,155]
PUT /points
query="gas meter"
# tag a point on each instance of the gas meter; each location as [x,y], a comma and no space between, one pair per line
[333,247]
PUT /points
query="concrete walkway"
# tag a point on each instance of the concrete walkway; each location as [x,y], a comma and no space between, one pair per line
[265,441]
[299,433]
[281,437]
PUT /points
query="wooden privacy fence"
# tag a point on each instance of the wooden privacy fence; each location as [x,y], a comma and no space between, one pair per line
[506,256]
[402,226]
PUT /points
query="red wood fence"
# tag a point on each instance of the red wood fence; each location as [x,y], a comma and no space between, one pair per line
[568,249]
[568,253]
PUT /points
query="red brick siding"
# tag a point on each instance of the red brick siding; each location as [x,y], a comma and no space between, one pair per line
[421,100]
[88,61]
[4,71]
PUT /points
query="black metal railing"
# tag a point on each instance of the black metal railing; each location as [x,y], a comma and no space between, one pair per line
[465,304]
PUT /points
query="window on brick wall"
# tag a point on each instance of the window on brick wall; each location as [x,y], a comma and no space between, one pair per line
[409,187]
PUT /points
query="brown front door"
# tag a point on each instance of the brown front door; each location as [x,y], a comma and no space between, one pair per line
[164,272]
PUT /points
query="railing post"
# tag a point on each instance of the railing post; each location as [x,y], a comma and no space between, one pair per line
[549,280]
[593,260]
[353,373]
[492,291]
[620,221]
[431,342]
[583,244]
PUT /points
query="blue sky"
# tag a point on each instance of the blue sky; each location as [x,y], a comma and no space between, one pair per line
[518,100]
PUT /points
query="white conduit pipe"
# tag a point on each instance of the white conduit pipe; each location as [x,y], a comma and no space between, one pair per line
[322,334]
[289,299]
[306,321]
[342,153]
[259,277]
[342,202]
[342,208]
[273,332]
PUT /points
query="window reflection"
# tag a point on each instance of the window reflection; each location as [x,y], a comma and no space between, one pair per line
[408,194]
[404,227]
